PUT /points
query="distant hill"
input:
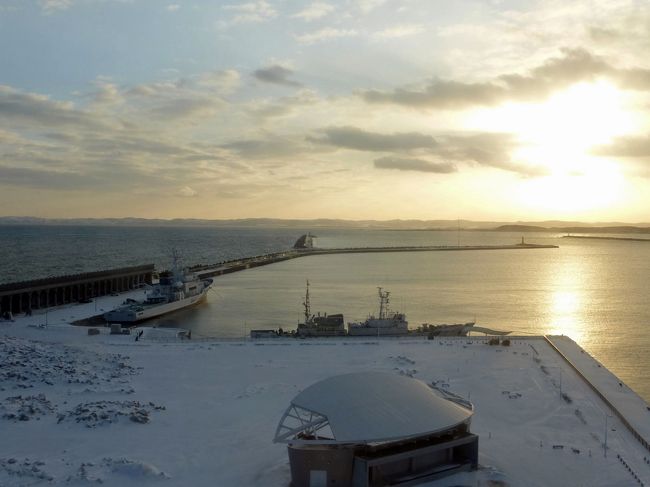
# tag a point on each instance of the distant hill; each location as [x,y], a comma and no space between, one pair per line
[574,229]
[308,224]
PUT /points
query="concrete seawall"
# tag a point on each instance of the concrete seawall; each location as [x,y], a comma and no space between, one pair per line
[260,260]
[628,406]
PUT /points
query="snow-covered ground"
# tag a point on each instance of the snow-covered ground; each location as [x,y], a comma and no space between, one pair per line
[78,409]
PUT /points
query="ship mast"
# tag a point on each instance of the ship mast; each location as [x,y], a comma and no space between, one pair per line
[176,258]
[307,304]
[383,303]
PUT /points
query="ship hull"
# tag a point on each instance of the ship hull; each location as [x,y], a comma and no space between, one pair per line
[131,315]
[369,331]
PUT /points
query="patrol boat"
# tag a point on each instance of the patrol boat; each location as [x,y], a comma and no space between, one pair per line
[387,323]
[176,289]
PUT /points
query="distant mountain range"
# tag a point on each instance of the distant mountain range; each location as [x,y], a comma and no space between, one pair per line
[412,225]
[614,228]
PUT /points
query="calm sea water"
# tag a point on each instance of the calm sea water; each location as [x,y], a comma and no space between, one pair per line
[595,291]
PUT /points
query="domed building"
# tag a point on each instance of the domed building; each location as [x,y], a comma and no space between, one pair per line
[376,428]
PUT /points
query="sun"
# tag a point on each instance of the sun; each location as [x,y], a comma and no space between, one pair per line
[557,137]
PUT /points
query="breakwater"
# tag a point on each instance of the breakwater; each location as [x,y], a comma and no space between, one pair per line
[633,239]
[23,297]
[261,260]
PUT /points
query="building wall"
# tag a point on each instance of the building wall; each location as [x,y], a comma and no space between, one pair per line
[335,461]
[23,297]
[357,466]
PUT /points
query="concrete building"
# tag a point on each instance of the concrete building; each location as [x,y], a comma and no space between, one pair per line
[374,428]
[23,297]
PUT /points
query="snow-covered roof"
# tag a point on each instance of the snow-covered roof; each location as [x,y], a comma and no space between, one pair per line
[369,407]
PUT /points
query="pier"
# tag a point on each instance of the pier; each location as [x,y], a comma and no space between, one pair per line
[23,297]
[261,260]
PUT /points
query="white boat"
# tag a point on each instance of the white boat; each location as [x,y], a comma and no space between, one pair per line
[175,290]
[386,324]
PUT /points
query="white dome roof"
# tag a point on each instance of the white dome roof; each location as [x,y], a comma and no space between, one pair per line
[379,406]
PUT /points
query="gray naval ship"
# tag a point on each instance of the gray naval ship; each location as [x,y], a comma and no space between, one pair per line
[176,289]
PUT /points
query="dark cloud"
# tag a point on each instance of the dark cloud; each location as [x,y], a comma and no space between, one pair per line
[275,74]
[46,179]
[130,144]
[488,149]
[412,164]
[357,139]
[485,149]
[633,147]
[187,107]
[28,108]
[573,66]
[282,106]
[604,35]
[264,148]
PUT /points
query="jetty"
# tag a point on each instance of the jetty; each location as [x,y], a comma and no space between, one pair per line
[23,297]
[592,237]
[304,248]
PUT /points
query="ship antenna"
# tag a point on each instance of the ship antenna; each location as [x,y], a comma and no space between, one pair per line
[175,259]
[383,303]
[307,304]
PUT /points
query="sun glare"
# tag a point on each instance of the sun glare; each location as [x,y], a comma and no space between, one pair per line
[557,136]
[598,187]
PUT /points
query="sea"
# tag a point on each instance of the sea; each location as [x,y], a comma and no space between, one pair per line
[593,290]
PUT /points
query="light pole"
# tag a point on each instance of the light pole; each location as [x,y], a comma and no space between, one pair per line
[605,444]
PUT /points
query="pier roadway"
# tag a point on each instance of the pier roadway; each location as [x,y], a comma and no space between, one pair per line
[260,260]
[630,408]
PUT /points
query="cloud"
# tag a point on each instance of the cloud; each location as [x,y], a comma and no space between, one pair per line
[412,164]
[191,106]
[357,139]
[572,66]
[184,98]
[328,33]
[45,179]
[107,93]
[283,106]
[252,12]
[187,192]
[621,28]
[268,147]
[50,6]
[485,149]
[630,146]
[224,81]
[368,5]
[17,107]
[314,11]
[399,31]
[275,74]
[172,7]
[488,149]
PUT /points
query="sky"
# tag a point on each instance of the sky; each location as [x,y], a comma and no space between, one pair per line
[355,109]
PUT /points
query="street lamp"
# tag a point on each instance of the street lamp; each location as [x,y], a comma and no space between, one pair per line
[605,444]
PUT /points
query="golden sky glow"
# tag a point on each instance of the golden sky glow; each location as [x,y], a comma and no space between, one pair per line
[356,109]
